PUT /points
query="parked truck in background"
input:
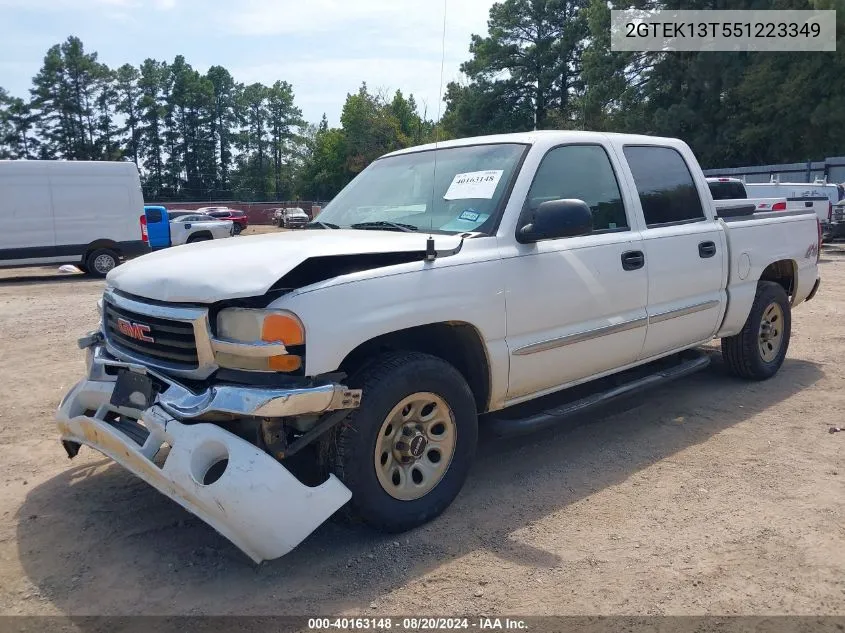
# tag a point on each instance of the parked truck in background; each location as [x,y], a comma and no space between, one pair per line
[173,228]
[734,189]
[820,196]
[444,288]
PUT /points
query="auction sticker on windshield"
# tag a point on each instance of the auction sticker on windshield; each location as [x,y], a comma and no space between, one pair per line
[474,184]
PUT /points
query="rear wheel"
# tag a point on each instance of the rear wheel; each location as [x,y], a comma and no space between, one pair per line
[759,349]
[237,228]
[101,261]
[405,453]
[198,238]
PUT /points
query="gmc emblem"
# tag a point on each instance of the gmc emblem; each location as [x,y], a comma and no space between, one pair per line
[138,331]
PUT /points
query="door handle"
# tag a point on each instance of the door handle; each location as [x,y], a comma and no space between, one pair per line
[706,249]
[633,260]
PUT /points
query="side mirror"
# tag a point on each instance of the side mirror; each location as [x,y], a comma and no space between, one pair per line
[557,218]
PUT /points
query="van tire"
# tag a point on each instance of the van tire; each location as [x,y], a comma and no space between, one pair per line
[100,262]
[745,352]
[351,451]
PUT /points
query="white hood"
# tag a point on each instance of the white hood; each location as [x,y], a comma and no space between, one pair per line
[206,272]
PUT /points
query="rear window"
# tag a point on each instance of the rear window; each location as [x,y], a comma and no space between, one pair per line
[218,214]
[727,190]
[153,215]
[665,185]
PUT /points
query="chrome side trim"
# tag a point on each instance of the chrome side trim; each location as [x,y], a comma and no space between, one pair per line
[271,402]
[248,350]
[579,337]
[679,312]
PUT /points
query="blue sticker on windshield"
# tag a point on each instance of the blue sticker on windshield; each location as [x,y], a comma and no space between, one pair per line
[469,220]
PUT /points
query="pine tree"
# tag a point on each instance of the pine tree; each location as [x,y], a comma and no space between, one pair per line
[129,105]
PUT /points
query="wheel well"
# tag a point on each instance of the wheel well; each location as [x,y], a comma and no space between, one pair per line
[782,272]
[97,245]
[194,236]
[459,344]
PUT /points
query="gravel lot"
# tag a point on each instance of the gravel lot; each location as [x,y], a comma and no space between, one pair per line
[707,496]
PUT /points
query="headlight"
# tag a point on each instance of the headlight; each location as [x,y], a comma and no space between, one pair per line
[260,326]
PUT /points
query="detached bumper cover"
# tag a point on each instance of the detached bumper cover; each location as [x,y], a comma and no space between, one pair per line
[238,489]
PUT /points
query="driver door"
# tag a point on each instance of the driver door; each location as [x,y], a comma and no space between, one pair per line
[576,306]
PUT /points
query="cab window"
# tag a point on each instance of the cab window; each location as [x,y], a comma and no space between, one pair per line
[583,172]
[665,185]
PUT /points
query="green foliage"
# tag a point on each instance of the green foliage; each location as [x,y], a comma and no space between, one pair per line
[200,136]
[370,127]
[525,72]
[541,63]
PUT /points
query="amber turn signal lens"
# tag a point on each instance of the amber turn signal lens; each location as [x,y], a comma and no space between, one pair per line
[282,327]
[284,363]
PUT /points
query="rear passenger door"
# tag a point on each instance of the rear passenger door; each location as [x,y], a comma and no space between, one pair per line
[684,249]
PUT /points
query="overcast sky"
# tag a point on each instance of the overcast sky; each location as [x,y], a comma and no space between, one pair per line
[324,48]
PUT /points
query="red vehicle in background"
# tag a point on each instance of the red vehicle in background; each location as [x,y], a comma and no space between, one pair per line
[239,218]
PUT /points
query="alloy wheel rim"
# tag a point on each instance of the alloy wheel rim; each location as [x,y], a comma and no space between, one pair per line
[103,263]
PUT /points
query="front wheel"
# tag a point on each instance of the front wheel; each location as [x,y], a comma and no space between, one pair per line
[236,229]
[405,453]
[759,349]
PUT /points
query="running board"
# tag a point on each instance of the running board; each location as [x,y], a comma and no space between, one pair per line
[510,427]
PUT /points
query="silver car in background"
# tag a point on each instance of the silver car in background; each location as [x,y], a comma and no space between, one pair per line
[197,227]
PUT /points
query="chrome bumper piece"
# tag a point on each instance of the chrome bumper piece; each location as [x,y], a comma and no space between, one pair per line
[231,400]
[238,489]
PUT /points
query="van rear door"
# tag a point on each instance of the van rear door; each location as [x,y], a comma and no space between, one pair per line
[158,227]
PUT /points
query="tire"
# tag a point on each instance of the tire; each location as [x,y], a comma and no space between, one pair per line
[237,228]
[198,238]
[362,440]
[100,262]
[747,354]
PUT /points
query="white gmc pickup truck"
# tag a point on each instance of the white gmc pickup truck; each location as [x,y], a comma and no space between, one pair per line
[442,288]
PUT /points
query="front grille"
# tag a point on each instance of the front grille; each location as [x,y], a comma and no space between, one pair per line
[173,344]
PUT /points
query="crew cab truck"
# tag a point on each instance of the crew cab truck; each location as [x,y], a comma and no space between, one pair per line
[442,288]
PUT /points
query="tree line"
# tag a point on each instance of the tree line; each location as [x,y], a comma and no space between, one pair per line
[544,64]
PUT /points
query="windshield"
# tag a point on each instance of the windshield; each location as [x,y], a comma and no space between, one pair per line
[467,190]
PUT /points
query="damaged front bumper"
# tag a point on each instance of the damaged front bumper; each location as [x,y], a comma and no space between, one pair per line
[232,485]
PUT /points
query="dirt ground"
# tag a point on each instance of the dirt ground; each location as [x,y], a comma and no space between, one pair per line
[710,495]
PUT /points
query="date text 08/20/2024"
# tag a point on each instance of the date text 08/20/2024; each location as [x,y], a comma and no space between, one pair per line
[416,624]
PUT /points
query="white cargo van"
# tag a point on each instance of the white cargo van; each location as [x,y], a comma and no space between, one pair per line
[90,214]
